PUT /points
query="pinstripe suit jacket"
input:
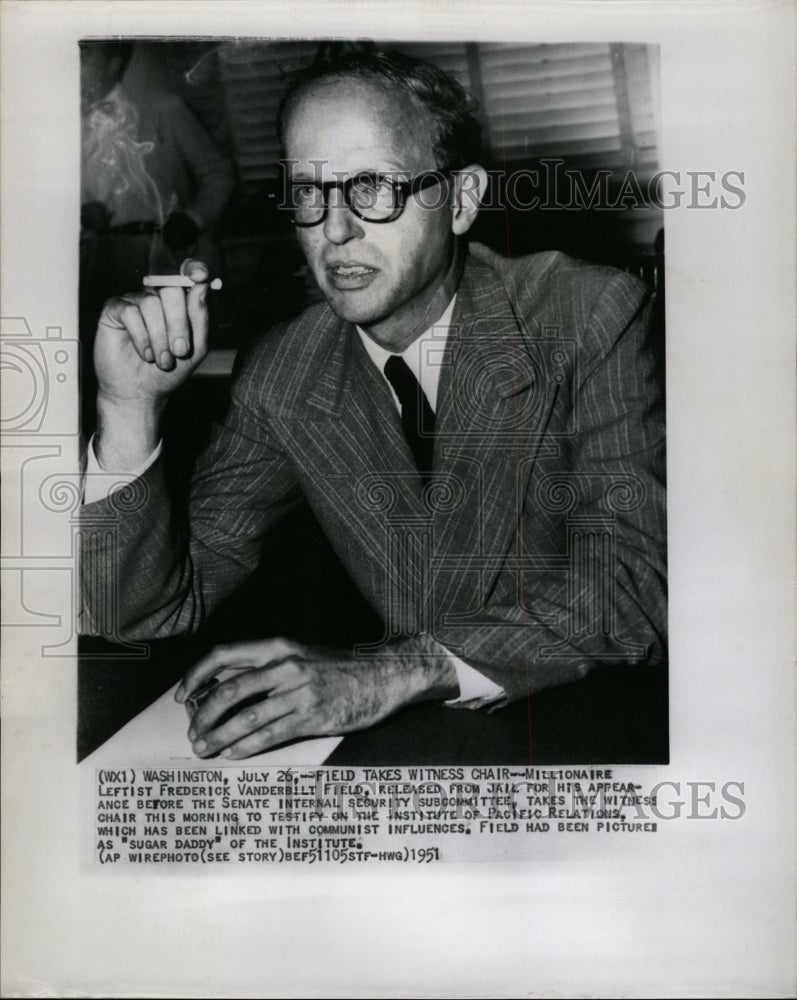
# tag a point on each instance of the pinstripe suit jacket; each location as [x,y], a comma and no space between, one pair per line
[537,551]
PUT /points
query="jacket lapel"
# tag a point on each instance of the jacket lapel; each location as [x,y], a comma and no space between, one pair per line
[365,439]
[361,479]
[492,414]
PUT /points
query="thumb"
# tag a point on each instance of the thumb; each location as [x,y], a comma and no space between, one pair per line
[124,314]
[196,270]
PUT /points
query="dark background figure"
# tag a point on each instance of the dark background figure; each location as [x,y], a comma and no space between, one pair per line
[153,185]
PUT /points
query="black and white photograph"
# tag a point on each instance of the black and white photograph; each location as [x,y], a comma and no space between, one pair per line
[426,392]
[398,487]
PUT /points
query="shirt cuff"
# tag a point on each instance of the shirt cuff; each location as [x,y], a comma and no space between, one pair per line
[98,484]
[475,690]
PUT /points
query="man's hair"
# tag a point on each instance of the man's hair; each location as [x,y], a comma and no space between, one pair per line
[456,129]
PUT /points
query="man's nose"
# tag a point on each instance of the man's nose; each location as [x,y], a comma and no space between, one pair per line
[341,224]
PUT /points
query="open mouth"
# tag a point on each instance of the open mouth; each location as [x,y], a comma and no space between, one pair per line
[348,276]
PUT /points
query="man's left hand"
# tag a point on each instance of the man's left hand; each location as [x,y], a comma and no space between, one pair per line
[291,690]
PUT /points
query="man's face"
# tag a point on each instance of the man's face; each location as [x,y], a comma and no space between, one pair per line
[389,277]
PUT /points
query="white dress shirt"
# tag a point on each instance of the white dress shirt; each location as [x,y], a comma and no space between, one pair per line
[424,356]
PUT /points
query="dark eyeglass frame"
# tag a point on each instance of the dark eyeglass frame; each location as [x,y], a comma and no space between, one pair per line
[403,190]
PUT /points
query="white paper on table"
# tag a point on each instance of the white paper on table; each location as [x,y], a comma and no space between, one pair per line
[159,733]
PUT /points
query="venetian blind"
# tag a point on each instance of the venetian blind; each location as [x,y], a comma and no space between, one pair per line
[589,104]
[252,75]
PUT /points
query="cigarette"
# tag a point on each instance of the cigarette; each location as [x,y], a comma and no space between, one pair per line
[175,281]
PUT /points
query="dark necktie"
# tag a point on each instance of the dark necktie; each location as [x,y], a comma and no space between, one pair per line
[417,416]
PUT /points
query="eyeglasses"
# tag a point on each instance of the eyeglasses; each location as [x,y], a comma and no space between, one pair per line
[372,197]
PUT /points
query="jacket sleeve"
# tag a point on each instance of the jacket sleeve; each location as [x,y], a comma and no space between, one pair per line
[597,595]
[145,574]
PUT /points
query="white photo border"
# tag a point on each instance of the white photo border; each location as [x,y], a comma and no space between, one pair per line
[706,907]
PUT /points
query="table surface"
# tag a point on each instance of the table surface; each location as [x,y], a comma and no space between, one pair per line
[614,716]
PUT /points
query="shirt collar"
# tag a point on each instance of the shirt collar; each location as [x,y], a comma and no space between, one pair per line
[424,356]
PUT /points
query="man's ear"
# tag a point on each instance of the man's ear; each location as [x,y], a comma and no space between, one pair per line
[470,187]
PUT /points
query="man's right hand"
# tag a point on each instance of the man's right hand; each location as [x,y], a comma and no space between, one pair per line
[148,343]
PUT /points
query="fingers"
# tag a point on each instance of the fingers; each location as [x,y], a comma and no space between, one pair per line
[152,312]
[298,696]
[286,727]
[170,315]
[260,724]
[244,686]
[175,314]
[124,314]
[238,655]
[196,301]
[165,324]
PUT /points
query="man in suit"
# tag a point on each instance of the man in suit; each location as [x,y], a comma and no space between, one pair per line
[481,440]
